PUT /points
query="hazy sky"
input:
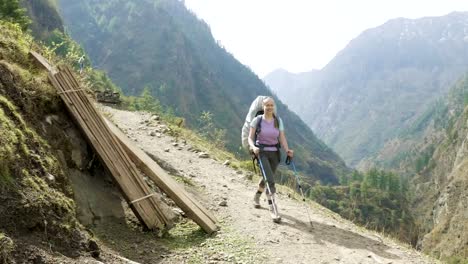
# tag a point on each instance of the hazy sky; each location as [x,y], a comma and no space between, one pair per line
[301,35]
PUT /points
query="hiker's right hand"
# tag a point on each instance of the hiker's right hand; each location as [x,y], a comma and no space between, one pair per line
[256,151]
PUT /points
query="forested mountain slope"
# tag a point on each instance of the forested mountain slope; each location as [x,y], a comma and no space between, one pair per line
[435,151]
[442,193]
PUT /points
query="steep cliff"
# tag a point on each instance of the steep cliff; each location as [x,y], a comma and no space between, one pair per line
[50,182]
[441,194]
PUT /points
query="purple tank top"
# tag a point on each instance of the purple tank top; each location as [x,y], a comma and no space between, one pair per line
[268,134]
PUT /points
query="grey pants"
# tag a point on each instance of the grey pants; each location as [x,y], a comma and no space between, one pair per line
[270,161]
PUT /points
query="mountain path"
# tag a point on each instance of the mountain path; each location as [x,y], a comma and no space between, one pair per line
[331,240]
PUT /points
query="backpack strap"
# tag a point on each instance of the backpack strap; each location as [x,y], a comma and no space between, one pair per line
[277,125]
[259,128]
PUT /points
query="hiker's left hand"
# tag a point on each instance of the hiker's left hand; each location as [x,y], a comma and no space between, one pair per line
[256,151]
[290,153]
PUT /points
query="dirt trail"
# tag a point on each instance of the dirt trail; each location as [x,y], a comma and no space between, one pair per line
[332,239]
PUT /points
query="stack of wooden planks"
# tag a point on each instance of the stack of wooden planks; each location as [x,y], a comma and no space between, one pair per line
[124,160]
[109,150]
[152,170]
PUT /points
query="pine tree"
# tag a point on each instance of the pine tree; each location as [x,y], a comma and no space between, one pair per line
[356,176]
[372,177]
[394,183]
[364,190]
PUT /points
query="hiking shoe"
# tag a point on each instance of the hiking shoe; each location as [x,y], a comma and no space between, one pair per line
[274,214]
[256,200]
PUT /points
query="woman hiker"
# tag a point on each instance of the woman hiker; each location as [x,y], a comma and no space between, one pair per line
[265,140]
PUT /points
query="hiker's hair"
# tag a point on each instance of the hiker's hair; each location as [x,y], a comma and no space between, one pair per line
[266,99]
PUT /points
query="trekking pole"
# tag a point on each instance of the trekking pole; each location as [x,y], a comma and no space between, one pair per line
[290,161]
[267,184]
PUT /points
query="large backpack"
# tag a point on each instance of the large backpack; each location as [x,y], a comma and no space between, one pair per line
[256,108]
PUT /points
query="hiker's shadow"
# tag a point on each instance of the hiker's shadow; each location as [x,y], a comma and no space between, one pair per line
[332,234]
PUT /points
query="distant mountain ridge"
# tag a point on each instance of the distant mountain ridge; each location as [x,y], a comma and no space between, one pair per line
[381,82]
[163,46]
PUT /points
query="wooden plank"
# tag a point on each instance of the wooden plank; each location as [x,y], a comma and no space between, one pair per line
[149,167]
[42,61]
[107,133]
[81,122]
[151,203]
[202,217]
[82,118]
[86,121]
[100,125]
[133,189]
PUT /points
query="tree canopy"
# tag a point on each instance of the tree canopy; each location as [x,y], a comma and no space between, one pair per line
[11,11]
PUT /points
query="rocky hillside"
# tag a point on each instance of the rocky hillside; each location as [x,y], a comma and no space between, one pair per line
[161,46]
[442,194]
[432,153]
[41,152]
[55,195]
[382,82]
[437,154]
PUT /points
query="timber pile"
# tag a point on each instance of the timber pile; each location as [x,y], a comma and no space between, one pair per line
[123,159]
[109,150]
[190,206]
